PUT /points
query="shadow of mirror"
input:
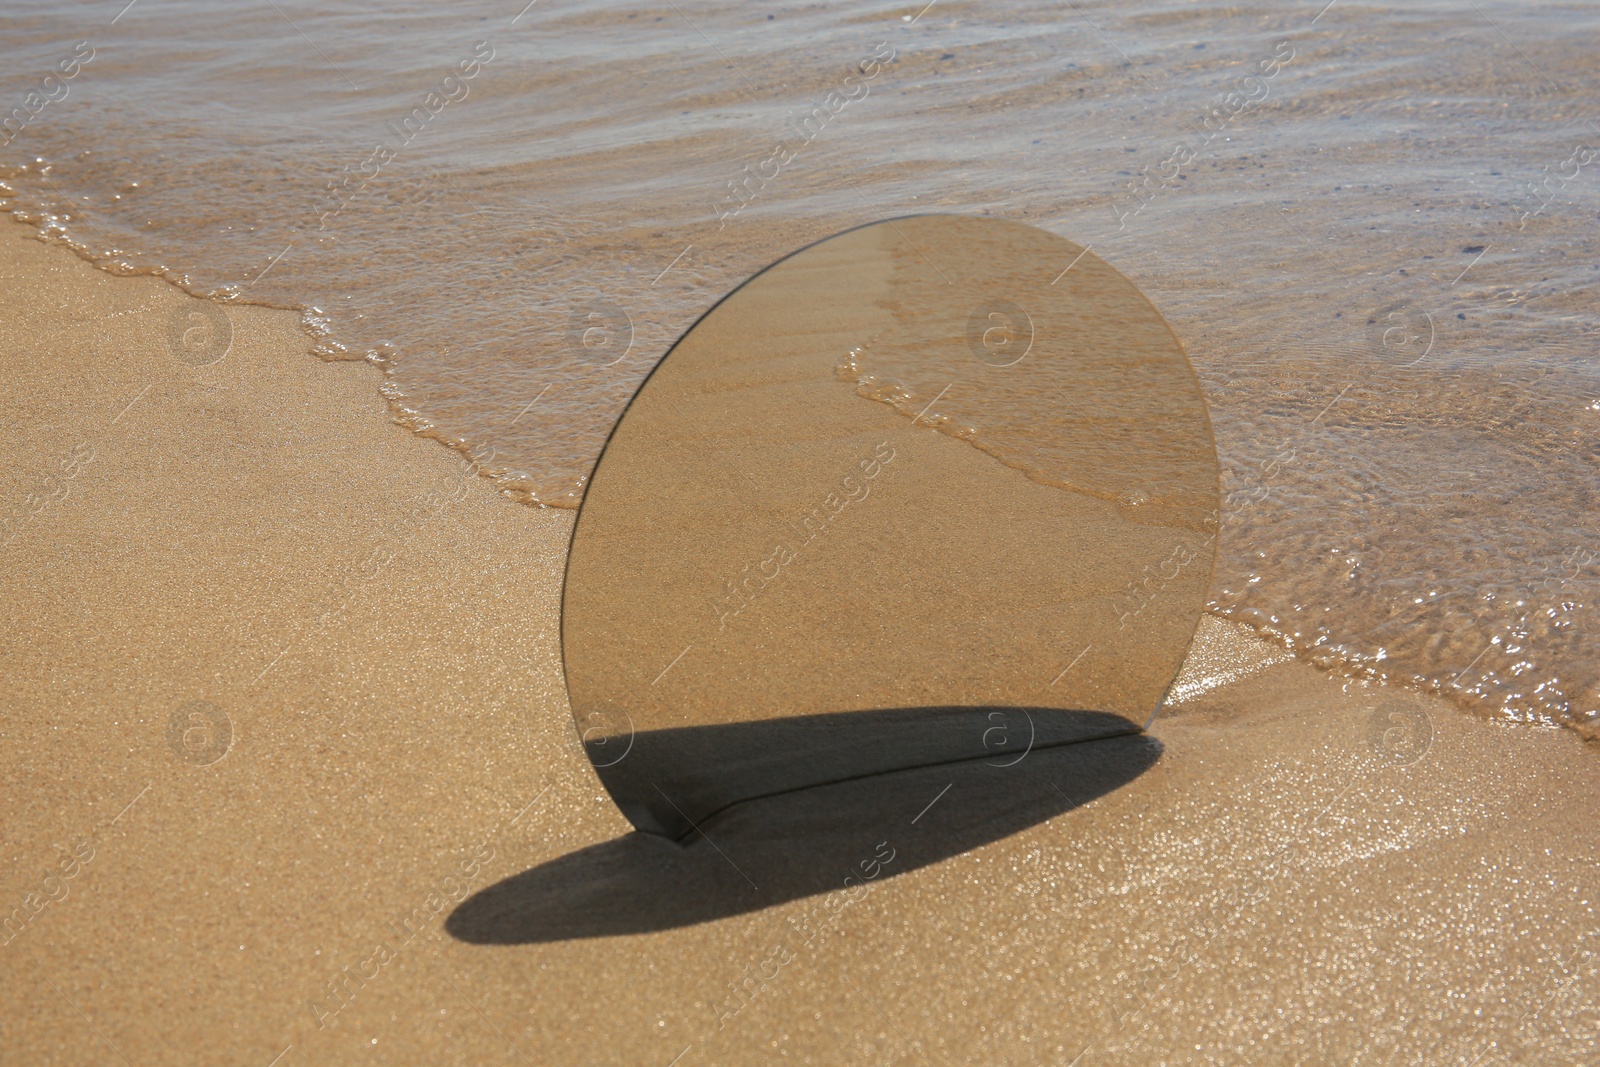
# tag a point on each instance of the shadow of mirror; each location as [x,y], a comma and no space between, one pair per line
[666,780]
[835,842]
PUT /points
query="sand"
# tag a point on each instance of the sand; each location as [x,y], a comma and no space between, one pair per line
[373,837]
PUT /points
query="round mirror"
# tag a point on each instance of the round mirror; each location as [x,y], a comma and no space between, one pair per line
[938,488]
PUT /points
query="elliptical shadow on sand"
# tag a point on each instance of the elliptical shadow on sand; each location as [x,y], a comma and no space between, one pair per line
[823,839]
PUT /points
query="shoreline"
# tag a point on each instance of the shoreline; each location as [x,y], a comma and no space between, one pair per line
[509,484]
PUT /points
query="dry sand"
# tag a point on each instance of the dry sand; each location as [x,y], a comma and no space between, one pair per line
[1286,883]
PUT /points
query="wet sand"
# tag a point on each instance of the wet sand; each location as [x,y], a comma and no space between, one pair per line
[340,852]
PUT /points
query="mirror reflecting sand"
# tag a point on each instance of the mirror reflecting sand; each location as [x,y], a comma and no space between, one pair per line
[938,488]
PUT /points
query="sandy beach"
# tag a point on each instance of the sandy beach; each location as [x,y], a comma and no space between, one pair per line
[290,778]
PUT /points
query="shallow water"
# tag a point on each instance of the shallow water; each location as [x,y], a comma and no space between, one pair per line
[1337,213]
